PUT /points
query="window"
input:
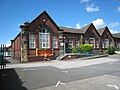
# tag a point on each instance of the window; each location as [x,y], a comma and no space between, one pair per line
[70,43]
[44,41]
[76,42]
[106,43]
[54,41]
[97,44]
[102,44]
[32,40]
[118,45]
[92,41]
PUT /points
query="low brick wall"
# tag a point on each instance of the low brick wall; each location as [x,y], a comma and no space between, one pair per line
[39,58]
[118,52]
[71,56]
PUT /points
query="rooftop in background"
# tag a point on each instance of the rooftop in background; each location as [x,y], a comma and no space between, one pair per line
[116,35]
[70,30]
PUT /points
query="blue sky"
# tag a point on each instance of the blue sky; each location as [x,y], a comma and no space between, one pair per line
[69,13]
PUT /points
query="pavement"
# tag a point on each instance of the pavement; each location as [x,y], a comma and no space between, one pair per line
[65,64]
[93,74]
[104,82]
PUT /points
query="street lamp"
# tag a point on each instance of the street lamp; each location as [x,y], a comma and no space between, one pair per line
[64,44]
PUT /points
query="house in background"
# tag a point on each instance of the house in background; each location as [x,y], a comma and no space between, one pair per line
[116,37]
[42,39]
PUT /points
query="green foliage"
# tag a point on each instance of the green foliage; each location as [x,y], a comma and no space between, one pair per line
[74,49]
[86,48]
[111,50]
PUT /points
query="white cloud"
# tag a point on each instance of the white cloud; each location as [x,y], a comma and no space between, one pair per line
[8,44]
[118,9]
[98,23]
[114,24]
[78,26]
[113,31]
[92,8]
[83,1]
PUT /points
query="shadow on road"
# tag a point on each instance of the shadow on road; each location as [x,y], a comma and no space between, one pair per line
[9,80]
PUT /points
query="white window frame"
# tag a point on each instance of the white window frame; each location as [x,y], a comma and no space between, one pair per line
[70,43]
[55,40]
[106,43]
[92,41]
[44,40]
[31,41]
[103,46]
[77,42]
[118,45]
[97,44]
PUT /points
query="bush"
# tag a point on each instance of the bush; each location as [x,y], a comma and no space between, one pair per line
[74,49]
[86,48]
[111,50]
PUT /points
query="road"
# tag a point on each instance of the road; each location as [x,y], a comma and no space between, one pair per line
[101,76]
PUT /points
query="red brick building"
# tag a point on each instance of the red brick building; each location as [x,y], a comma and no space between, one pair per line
[42,39]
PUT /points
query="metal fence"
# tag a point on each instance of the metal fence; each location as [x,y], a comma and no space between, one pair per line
[117,49]
[2,55]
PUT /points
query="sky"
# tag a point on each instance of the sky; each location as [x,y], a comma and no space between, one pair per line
[67,13]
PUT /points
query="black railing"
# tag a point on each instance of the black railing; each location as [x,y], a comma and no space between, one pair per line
[2,54]
[117,49]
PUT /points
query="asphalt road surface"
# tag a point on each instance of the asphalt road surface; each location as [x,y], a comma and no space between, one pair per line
[105,76]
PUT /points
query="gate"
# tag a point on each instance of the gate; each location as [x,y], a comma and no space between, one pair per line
[2,54]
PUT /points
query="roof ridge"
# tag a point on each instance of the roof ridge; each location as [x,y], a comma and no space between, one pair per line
[68,27]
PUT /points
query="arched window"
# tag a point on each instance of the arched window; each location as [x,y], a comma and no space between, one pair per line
[44,38]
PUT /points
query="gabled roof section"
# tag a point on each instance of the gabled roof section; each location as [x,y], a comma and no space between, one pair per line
[70,30]
[101,30]
[85,28]
[16,37]
[116,35]
[42,14]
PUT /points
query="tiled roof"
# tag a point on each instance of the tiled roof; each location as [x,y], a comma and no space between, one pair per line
[85,28]
[101,30]
[70,30]
[74,30]
[116,35]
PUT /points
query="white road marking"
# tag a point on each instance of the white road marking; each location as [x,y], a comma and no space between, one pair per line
[115,86]
[62,83]
[28,69]
[111,63]
[4,75]
[59,83]
[65,71]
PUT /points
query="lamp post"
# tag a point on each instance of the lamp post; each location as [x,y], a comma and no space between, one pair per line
[101,45]
[64,44]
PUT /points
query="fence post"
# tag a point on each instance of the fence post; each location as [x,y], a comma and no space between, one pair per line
[2,54]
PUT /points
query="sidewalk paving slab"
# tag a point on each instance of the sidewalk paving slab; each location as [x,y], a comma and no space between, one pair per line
[64,64]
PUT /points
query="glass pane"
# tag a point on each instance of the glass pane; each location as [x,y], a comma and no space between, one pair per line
[43,45]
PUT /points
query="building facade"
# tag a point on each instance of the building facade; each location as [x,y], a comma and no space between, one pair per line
[42,39]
